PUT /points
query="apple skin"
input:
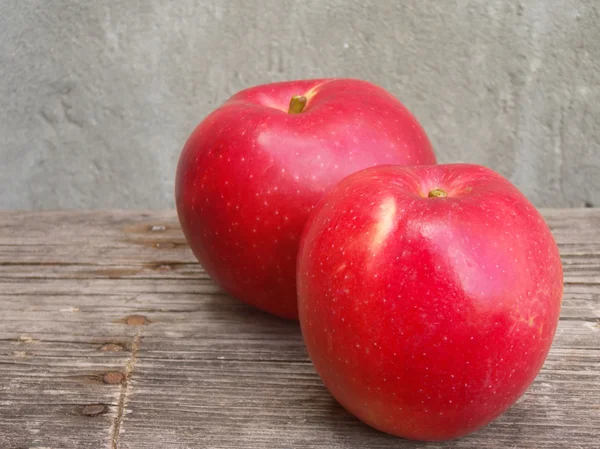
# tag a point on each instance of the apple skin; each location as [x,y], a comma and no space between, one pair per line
[250,173]
[427,318]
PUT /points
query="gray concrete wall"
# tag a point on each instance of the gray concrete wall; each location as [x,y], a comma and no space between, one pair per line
[97,98]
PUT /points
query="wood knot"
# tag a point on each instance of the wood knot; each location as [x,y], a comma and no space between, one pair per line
[136,320]
[113,378]
[94,410]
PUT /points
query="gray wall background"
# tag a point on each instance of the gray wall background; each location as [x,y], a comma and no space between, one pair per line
[97,98]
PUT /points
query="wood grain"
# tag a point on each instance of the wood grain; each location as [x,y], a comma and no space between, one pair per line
[81,368]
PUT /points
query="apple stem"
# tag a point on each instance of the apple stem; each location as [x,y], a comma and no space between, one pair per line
[437,193]
[297,104]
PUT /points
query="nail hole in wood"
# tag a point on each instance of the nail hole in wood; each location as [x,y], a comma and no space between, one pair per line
[94,410]
[111,347]
[113,378]
[136,320]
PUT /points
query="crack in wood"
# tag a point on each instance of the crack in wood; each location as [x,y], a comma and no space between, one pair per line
[126,389]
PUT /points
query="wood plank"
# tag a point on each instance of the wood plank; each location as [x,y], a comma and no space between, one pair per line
[53,392]
[194,317]
[140,238]
[204,370]
[229,404]
[576,267]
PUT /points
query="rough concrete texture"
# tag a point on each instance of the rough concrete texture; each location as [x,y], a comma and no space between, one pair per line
[98,97]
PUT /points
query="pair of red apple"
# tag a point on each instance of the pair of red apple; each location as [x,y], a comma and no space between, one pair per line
[428,295]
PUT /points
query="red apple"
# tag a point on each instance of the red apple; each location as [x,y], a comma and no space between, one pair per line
[428,296]
[251,172]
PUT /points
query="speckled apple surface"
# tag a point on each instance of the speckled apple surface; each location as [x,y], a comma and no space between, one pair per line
[251,172]
[428,296]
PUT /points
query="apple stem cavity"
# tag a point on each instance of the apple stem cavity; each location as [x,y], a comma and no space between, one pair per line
[437,193]
[297,104]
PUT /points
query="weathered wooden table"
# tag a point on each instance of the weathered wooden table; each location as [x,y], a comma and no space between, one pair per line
[112,336]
